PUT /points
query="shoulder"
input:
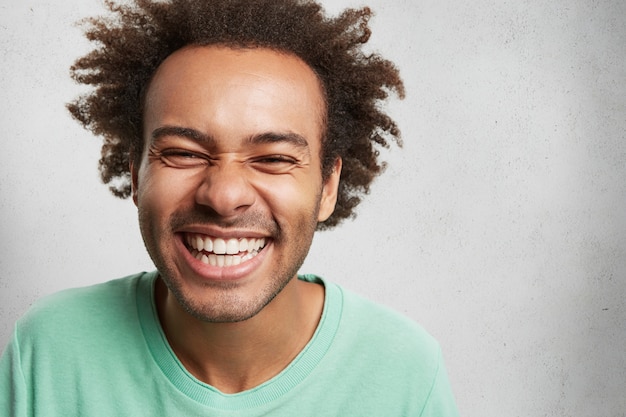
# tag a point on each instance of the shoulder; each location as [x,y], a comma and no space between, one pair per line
[376,321]
[85,299]
[80,308]
[391,358]
[369,329]
[372,324]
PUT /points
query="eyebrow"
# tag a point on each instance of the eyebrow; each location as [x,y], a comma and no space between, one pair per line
[270,137]
[260,139]
[184,132]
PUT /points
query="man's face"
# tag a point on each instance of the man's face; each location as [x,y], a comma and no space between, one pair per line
[229,188]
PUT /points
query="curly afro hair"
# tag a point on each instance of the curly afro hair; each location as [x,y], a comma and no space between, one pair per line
[133,40]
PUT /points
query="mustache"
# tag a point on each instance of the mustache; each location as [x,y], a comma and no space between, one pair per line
[248,220]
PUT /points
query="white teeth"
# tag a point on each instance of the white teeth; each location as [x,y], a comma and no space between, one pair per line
[220,252]
[232,247]
[224,247]
[219,247]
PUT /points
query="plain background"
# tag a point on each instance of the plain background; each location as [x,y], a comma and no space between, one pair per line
[500,226]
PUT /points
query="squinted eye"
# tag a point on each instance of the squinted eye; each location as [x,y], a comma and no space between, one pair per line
[277,159]
[181,158]
[275,164]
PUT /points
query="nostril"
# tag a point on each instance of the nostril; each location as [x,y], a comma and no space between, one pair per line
[226,193]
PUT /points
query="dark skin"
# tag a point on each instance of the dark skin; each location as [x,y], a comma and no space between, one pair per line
[235,357]
[355,82]
[234,327]
[229,195]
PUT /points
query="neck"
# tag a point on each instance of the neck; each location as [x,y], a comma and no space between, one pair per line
[235,357]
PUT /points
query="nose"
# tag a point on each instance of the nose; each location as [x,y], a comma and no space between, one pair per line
[226,190]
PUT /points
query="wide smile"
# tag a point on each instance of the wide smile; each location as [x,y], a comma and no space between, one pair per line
[219,252]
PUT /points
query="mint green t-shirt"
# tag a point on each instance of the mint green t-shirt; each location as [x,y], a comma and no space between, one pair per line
[100,351]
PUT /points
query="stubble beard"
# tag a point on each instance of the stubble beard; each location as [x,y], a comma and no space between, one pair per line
[227,304]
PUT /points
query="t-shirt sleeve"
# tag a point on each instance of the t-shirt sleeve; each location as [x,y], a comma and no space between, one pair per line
[12,382]
[440,402]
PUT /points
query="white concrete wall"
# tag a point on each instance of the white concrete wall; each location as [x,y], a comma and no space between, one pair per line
[500,226]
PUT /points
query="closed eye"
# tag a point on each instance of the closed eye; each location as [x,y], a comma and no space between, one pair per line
[182,158]
[275,164]
[275,159]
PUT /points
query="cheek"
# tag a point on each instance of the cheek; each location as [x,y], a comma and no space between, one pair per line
[159,197]
[291,200]
[163,190]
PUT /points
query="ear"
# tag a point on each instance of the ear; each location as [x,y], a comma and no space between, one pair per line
[329,193]
[133,178]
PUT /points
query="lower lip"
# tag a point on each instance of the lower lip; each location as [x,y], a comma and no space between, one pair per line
[226,273]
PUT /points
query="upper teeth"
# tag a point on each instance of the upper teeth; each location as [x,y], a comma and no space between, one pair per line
[221,246]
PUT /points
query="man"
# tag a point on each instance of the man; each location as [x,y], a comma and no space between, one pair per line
[241,127]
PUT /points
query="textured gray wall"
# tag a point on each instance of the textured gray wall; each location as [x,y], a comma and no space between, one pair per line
[500,226]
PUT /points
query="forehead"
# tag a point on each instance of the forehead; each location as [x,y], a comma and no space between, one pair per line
[218,86]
